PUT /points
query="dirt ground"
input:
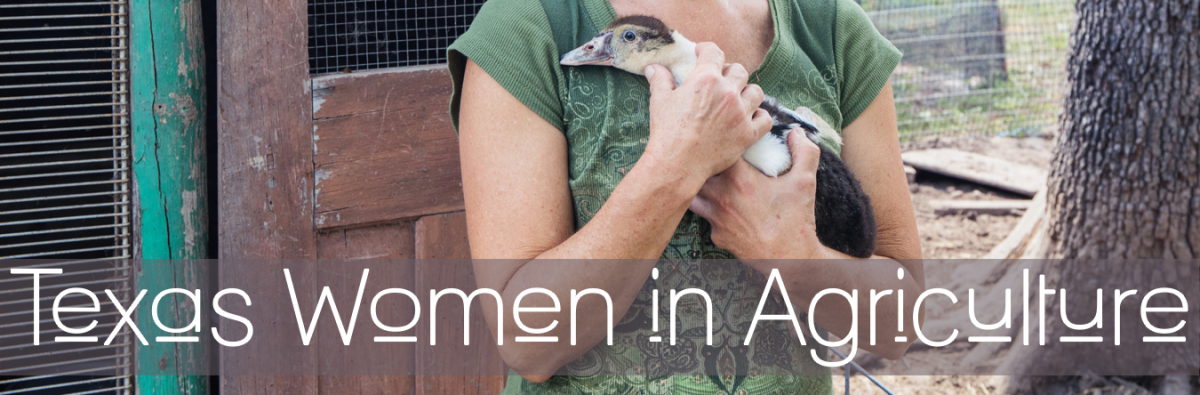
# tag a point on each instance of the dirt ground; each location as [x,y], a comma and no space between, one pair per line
[954,237]
[972,236]
[969,236]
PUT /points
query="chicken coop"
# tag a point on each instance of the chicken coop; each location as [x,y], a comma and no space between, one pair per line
[136,130]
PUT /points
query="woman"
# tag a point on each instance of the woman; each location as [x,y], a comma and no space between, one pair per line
[593,163]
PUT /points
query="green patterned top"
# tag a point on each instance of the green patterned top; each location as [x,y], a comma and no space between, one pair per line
[826,55]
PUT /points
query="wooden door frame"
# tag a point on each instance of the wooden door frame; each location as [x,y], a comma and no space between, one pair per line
[280,196]
[264,159]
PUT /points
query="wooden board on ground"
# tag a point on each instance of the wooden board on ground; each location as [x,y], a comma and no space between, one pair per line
[1013,245]
[993,172]
[990,207]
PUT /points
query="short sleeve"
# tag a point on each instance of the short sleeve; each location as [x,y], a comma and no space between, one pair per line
[512,41]
[865,60]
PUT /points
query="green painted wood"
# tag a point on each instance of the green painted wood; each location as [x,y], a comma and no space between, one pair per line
[168,89]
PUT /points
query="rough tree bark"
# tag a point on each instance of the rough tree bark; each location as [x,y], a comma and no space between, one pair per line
[1124,178]
[1123,183]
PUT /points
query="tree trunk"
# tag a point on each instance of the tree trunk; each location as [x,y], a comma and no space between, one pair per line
[1123,183]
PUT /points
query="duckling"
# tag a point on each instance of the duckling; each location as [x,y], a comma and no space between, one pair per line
[844,218]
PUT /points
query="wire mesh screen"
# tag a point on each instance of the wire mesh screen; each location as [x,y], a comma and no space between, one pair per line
[977,66]
[64,187]
[351,35]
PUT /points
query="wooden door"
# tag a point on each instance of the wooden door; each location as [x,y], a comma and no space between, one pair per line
[345,166]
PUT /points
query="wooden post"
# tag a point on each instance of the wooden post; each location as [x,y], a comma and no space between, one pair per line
[265,174]
[168,89]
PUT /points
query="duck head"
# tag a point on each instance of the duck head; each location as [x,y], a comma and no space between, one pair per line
[633,42]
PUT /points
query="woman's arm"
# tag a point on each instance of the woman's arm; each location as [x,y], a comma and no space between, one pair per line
[519,205]
[757,217]
[872,152]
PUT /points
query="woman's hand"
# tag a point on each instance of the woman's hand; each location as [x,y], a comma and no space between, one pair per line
[759,217]
[702,127]
[755,216]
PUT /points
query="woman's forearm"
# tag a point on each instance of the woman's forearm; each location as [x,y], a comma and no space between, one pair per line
[638,219]
[620,245]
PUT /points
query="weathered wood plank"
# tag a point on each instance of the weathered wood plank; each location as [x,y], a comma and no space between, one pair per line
[990,207]
[1038,246]
[997,173]
[444,237]
[390,241]
[168,120]
[1011,246]
[347,94]
[366,367]
[168,137]
[265,175]
[265,130]
[384,148]
[274,361]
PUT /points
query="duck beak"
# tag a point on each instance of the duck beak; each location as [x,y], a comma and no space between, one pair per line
[597,52]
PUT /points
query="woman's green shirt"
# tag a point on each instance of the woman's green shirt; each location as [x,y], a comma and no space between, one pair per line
[826,55]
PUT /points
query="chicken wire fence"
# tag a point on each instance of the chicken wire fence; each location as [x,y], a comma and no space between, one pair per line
[995,67]
[353,35]
[970,67]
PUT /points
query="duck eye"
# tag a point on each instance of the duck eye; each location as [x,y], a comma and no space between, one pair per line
[629,36]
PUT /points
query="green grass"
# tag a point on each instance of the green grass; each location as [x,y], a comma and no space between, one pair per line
[1006,109]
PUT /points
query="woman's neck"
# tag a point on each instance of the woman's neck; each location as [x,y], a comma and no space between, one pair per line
[744,29]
